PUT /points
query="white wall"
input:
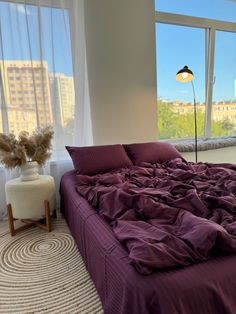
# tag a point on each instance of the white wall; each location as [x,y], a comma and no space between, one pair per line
[227,154]
[120,42]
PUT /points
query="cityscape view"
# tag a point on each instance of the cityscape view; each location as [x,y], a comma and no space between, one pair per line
[33,96]
[175,119]
[36,72]
[178,46]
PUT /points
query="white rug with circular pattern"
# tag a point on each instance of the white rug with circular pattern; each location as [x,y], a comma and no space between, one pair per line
[43,272]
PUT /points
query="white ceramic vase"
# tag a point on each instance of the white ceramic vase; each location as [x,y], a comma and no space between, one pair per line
[29,171]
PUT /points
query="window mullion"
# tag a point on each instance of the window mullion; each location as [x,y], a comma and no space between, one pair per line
[210,36]
[194,21]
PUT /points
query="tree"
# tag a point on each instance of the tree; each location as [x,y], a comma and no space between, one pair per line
[173,125]
[166,120]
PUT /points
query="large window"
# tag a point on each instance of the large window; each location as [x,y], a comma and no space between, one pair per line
[175,45]
[207,47]
[224,10]
[224,87]
[36,77]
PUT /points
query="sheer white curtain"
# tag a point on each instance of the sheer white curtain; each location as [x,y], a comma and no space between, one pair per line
[43,77]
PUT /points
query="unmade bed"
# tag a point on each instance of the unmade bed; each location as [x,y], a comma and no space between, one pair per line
[204,282]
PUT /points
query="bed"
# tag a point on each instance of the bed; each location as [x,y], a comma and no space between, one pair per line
[207,286]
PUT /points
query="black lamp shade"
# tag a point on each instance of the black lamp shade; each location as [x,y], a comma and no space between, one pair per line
[184,75]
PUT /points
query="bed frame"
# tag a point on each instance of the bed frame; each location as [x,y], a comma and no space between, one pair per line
[208,287]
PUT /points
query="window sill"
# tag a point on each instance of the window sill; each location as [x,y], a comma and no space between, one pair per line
[188,145]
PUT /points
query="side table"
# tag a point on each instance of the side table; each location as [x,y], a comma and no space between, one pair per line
[30,201]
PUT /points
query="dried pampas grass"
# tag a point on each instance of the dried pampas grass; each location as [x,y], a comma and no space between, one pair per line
[35,147]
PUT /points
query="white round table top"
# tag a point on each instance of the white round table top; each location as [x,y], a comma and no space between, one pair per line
[27,197]
[42,180]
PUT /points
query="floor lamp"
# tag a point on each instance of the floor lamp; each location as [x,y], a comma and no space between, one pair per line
[186,75]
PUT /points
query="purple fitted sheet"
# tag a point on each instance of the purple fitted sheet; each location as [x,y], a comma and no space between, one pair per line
[207,287]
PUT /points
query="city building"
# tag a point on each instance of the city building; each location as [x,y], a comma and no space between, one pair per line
[63,95]
[221,111]
[25,95]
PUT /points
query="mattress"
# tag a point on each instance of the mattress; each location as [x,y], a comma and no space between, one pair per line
[207,287]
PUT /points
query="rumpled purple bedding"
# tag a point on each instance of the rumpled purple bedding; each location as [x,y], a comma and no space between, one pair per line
[167,215]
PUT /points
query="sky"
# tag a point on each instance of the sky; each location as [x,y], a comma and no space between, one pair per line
[55,32]
[178,46]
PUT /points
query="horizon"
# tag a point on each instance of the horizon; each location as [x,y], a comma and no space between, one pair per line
[197,103]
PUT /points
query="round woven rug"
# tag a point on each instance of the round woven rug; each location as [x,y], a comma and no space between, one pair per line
[43,272]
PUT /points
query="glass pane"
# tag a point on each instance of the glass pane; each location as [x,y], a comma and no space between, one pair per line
[176,47]
[36,73]
[224,90]
[224,10]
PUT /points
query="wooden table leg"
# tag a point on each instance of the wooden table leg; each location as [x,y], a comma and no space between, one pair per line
[10,219]
[47,215]
[30,223]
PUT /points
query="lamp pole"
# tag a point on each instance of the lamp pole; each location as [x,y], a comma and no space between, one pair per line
[186,75]
[195,120]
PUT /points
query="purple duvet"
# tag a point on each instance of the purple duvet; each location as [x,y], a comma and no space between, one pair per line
[170,214]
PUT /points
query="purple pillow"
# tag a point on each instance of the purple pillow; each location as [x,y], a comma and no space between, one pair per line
[92,160]
[151,152]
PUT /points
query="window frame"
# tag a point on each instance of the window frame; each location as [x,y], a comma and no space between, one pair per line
[210,26]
